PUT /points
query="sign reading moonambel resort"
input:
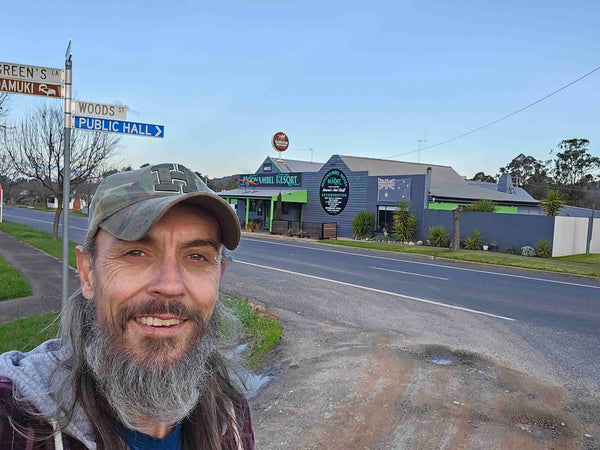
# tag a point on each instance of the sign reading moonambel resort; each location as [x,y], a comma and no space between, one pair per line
[275,180]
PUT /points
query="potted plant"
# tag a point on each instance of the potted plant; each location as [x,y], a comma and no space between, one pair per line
[494,246]
[249,226]
[485,247]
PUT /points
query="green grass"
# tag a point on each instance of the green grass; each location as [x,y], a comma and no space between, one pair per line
[26,334]
[592,258]
[500,259]
[39,239]
[262,330]
[12,283]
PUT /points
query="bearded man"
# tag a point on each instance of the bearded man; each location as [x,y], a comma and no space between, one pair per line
[138,363]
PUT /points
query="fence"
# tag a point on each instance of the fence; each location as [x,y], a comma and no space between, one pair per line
[571,236]
[313,230]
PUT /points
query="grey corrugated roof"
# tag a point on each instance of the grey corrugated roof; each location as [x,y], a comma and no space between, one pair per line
[241,192]
[291,165]
[379,167]
[466,191]
[518,191]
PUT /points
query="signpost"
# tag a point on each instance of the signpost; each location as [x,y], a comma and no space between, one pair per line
[13,86]
[48,82]
[119,126]
[32,73]
[104,110]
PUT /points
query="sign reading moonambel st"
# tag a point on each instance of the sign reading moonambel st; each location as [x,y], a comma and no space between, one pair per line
[293,179]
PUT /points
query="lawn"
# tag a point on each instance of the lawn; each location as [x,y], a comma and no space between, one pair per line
[501,259]
[39,239]
[260,328]
[592,258]
[12,283]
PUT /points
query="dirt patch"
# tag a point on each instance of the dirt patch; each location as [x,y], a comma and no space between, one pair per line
[355,391]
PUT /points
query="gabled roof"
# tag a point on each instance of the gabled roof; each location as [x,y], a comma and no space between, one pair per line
[518,191]
[466,191]
[380,167]
[291,165]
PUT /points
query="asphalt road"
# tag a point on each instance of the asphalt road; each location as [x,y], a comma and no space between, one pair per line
[546,323]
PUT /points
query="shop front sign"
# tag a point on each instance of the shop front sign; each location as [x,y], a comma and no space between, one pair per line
[334,191]
[272,180]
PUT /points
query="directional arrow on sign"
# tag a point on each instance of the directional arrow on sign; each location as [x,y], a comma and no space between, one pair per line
[118,126]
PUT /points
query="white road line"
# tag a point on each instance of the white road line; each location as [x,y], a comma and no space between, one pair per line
[408,273]
[44,221]
[430,264]
[416,299]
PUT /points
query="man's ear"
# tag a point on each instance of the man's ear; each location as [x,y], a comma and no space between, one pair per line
[223,267]
[85,269]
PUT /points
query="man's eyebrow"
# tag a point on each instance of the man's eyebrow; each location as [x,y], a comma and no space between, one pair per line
[202,243]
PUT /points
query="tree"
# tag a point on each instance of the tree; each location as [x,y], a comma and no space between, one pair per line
[530,173]
[481,176]
[482,205]
[278,208]
[363,224]
[552,203]
[35,147]
[574,169]
[405,222]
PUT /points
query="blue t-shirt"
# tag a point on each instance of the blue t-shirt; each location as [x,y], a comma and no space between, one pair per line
[140,441]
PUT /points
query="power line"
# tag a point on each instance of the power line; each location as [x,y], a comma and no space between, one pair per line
[500,119]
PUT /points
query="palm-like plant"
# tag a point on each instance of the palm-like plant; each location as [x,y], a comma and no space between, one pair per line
[552,203]
[405,222]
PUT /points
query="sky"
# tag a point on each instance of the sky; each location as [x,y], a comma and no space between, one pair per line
[339,77]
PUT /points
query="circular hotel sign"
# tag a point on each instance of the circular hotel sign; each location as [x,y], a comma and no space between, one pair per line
[334,191]
[280,142]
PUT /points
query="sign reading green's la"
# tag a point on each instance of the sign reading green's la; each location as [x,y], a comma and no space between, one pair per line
[293,179]
[334,191]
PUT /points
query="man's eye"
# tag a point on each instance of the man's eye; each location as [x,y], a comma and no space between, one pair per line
[135,253]
[197,257]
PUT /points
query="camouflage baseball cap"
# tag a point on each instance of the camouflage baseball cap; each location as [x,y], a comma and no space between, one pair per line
[128,204]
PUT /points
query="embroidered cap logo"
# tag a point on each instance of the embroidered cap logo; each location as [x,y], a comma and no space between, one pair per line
[174,178]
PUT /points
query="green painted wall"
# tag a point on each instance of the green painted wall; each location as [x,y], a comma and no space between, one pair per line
[450,206]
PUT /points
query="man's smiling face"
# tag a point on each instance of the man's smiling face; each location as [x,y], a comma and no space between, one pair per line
[155,296]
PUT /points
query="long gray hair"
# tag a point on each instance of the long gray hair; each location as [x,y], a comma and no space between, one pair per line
[215,421]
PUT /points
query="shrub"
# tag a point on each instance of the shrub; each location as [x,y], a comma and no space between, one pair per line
[543,247]
[483,205]
[552,203]
[528,250]
[474,241]
[438,236]
[363,224]
[405,222]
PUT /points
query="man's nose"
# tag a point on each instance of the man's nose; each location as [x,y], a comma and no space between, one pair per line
[167,278]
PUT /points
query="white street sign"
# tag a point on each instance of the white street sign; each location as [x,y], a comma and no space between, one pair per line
[104,110]
[31,73]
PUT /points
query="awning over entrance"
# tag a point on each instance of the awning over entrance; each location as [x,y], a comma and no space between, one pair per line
[251,193]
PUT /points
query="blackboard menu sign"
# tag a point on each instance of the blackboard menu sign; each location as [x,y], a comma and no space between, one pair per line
[334,191]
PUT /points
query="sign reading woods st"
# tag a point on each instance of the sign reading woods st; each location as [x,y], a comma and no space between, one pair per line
[334,192]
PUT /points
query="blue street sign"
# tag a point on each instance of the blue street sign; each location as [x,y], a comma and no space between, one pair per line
[119,126]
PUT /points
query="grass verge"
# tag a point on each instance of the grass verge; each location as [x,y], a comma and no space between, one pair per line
[12,283]
[39,239]
[499,259]
[261,328]
[592,258]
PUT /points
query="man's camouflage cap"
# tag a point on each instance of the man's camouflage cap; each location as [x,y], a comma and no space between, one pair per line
[128,204]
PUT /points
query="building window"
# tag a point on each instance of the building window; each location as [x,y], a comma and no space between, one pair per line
[385,217]
[252,205]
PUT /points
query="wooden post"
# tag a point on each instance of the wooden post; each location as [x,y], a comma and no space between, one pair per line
[456,212]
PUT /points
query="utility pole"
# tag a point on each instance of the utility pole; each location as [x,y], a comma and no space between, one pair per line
[421,141]
[66,176]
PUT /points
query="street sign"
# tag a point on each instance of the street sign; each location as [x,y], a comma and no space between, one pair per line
[32,73]
[119,126]
[104,110]
[13,86]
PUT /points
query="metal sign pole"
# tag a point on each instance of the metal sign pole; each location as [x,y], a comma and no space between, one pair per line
[590,234]
[66,176]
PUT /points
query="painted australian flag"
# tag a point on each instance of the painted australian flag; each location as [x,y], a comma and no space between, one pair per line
[392,190]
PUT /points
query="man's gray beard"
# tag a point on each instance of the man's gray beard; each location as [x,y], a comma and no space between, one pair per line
[141,393]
